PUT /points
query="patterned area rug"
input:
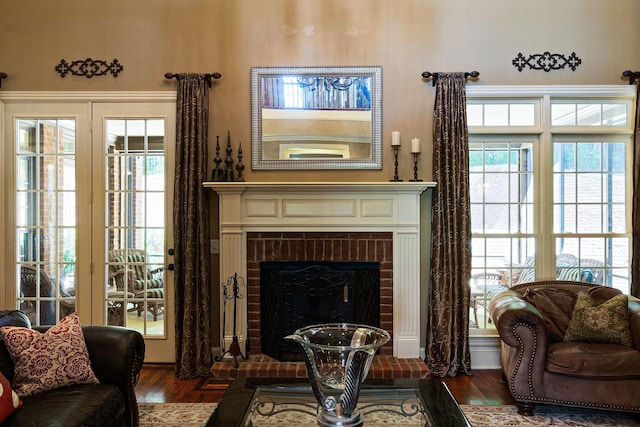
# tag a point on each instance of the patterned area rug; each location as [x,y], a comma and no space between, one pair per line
[507,415]
[175,414]
[197,414]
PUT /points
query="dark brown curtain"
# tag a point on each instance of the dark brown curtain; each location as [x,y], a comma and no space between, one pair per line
[191,229]
[635,208]
[447,352]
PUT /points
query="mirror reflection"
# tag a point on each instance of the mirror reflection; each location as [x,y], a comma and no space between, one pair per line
[316,118]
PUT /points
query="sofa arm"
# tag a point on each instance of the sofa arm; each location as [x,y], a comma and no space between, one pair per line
[507,309]
[521,327]
[116,355]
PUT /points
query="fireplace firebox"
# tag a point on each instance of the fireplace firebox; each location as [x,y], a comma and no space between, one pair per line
[301,293]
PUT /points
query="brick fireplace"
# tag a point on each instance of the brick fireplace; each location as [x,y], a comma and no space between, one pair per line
[326,221]
[318,246]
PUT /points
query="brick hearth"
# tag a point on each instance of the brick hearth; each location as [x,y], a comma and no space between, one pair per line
[261,366]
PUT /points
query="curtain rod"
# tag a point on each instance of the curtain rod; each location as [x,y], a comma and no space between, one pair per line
[2,76]
[633,76]
[207,76]
[428,74]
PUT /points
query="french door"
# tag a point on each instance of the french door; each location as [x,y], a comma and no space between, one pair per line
[87,196]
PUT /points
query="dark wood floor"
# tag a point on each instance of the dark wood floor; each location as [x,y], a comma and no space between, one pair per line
[158,383]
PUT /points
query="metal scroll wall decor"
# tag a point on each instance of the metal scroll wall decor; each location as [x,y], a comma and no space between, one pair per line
[546,61]
[89,68]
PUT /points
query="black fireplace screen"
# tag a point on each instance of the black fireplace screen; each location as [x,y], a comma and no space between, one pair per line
[303,293]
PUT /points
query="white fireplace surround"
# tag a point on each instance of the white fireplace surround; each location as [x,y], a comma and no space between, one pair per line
[328,207]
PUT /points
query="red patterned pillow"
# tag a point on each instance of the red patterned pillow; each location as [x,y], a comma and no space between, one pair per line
[43,362]
[9,400]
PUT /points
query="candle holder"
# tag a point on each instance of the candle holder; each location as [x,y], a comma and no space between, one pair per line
[395,153]
[415,168]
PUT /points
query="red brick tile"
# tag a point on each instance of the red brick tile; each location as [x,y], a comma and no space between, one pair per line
[379,235]
[380,248]
[362,251]
[386,292]
[386,351]
[345,250]
[336,250]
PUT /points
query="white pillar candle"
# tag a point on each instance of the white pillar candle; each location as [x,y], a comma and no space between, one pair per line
[395,138]
[415,145]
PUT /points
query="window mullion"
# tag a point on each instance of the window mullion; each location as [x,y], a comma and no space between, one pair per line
[545,253]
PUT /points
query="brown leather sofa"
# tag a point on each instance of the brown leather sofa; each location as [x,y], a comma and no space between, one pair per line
[539,367]
[116,356]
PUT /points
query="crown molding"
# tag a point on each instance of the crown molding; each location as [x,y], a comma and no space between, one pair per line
[74,96]
[583,91]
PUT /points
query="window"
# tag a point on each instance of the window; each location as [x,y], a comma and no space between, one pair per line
[550,179]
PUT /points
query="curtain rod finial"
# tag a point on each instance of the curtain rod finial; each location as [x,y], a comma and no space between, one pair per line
[633,76]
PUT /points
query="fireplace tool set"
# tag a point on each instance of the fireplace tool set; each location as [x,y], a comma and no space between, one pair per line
[231,291]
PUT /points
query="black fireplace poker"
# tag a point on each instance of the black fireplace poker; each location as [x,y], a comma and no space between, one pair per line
[234,348]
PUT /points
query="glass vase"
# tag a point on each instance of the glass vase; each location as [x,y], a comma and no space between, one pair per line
[338,357]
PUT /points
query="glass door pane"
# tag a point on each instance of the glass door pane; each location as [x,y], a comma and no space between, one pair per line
[45,218]
[135,223]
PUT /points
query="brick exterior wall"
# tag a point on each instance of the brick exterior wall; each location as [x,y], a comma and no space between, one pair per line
[302,246]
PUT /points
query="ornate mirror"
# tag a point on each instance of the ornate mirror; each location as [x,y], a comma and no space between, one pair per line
[316,117]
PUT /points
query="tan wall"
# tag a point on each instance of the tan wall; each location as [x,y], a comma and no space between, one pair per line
[405,37]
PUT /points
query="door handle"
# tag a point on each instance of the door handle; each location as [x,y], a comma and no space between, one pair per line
[171,251]
[171,267]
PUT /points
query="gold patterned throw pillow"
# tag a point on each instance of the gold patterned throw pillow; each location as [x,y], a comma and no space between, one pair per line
[606,323]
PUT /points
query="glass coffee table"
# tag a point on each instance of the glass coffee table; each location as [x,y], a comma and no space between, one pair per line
[255,402]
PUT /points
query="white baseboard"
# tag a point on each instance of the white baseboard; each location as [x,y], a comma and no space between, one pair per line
[485,352]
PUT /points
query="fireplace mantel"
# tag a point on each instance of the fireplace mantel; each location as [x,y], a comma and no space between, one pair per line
[329,207]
